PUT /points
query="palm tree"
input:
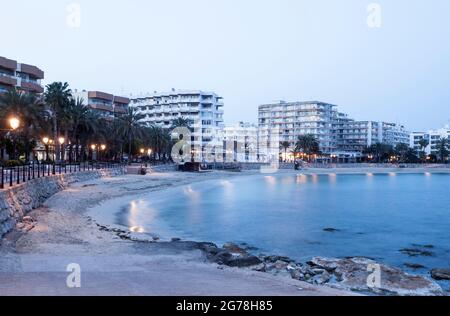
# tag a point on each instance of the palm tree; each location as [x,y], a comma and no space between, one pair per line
[57,96]
[180,122]
[442,146]
[381,151]
[285,145]
[159,139]
[423,143]
[82,125]
[31,113]
[308,144]
[130,127]
[402,151]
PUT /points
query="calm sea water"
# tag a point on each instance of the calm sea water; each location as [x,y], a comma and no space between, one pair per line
[375,215]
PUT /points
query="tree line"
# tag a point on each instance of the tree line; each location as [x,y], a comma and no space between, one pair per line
[73,131]
[308,146]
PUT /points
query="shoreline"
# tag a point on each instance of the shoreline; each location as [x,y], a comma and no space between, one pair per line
[64,229]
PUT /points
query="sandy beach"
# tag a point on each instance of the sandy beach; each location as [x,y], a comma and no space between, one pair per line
[35,262]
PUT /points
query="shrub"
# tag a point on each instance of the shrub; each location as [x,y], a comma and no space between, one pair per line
[12,163]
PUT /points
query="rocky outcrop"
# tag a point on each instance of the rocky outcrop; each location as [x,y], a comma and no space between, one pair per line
[355,274]
[440,274]
[230,255]
[352,274]
[17,201]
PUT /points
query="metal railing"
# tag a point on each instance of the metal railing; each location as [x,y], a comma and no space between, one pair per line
[10,176]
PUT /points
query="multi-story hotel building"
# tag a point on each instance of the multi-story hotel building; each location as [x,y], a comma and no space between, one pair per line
[286,121]
[204,110]
[355,136]
[432,137]
[21,76]
[104,104]
[337,134]
[244,137]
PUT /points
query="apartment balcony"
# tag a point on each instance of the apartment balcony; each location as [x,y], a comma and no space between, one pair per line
[121,100]
[8,63]
[33,71]
[100,95]
[31,86]
[8,80]
[101,107]
[120,110]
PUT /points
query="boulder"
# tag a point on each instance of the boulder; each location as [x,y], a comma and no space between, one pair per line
[324,263]
[247,261]
[331,230]
[414,266]
[274,259]
[233,248]
[416,252]
[353,274]
[297,275]
[281,265]
[440,274]
[322,278]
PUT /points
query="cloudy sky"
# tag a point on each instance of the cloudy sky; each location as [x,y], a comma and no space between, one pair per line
[249,51]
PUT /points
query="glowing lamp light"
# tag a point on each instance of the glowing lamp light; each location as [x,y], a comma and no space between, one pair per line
[46,140]
[61,140]
[103,147]
[93,147]
[142,150]
[14,123]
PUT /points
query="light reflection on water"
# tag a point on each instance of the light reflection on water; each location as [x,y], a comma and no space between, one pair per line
[376,215]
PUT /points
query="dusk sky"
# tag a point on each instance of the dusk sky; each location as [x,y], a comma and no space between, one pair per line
[248,51]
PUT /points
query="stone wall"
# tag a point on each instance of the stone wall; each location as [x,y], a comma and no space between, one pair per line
[17,201]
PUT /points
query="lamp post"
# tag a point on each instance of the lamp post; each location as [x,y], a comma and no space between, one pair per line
[46,140]
[61,141]
[93,147]
[102,149]
[14,123]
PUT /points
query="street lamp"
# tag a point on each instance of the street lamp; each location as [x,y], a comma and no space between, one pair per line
[46,140]
[93,147]
[102,149]
[14,123]
[61,141]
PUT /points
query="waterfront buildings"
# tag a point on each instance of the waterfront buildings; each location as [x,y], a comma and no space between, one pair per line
[104,104]
[431,137]
[355,136]
[203,110]
[244,137]
[338,135]
[286,121]
[21,76]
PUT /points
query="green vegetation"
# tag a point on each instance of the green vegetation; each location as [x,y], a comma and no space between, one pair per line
[66,129]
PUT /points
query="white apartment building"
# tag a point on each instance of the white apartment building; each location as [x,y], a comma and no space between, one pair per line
[432,137]
[203,109]
[354,136]
[286,121]
[244,137]
[338,135]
